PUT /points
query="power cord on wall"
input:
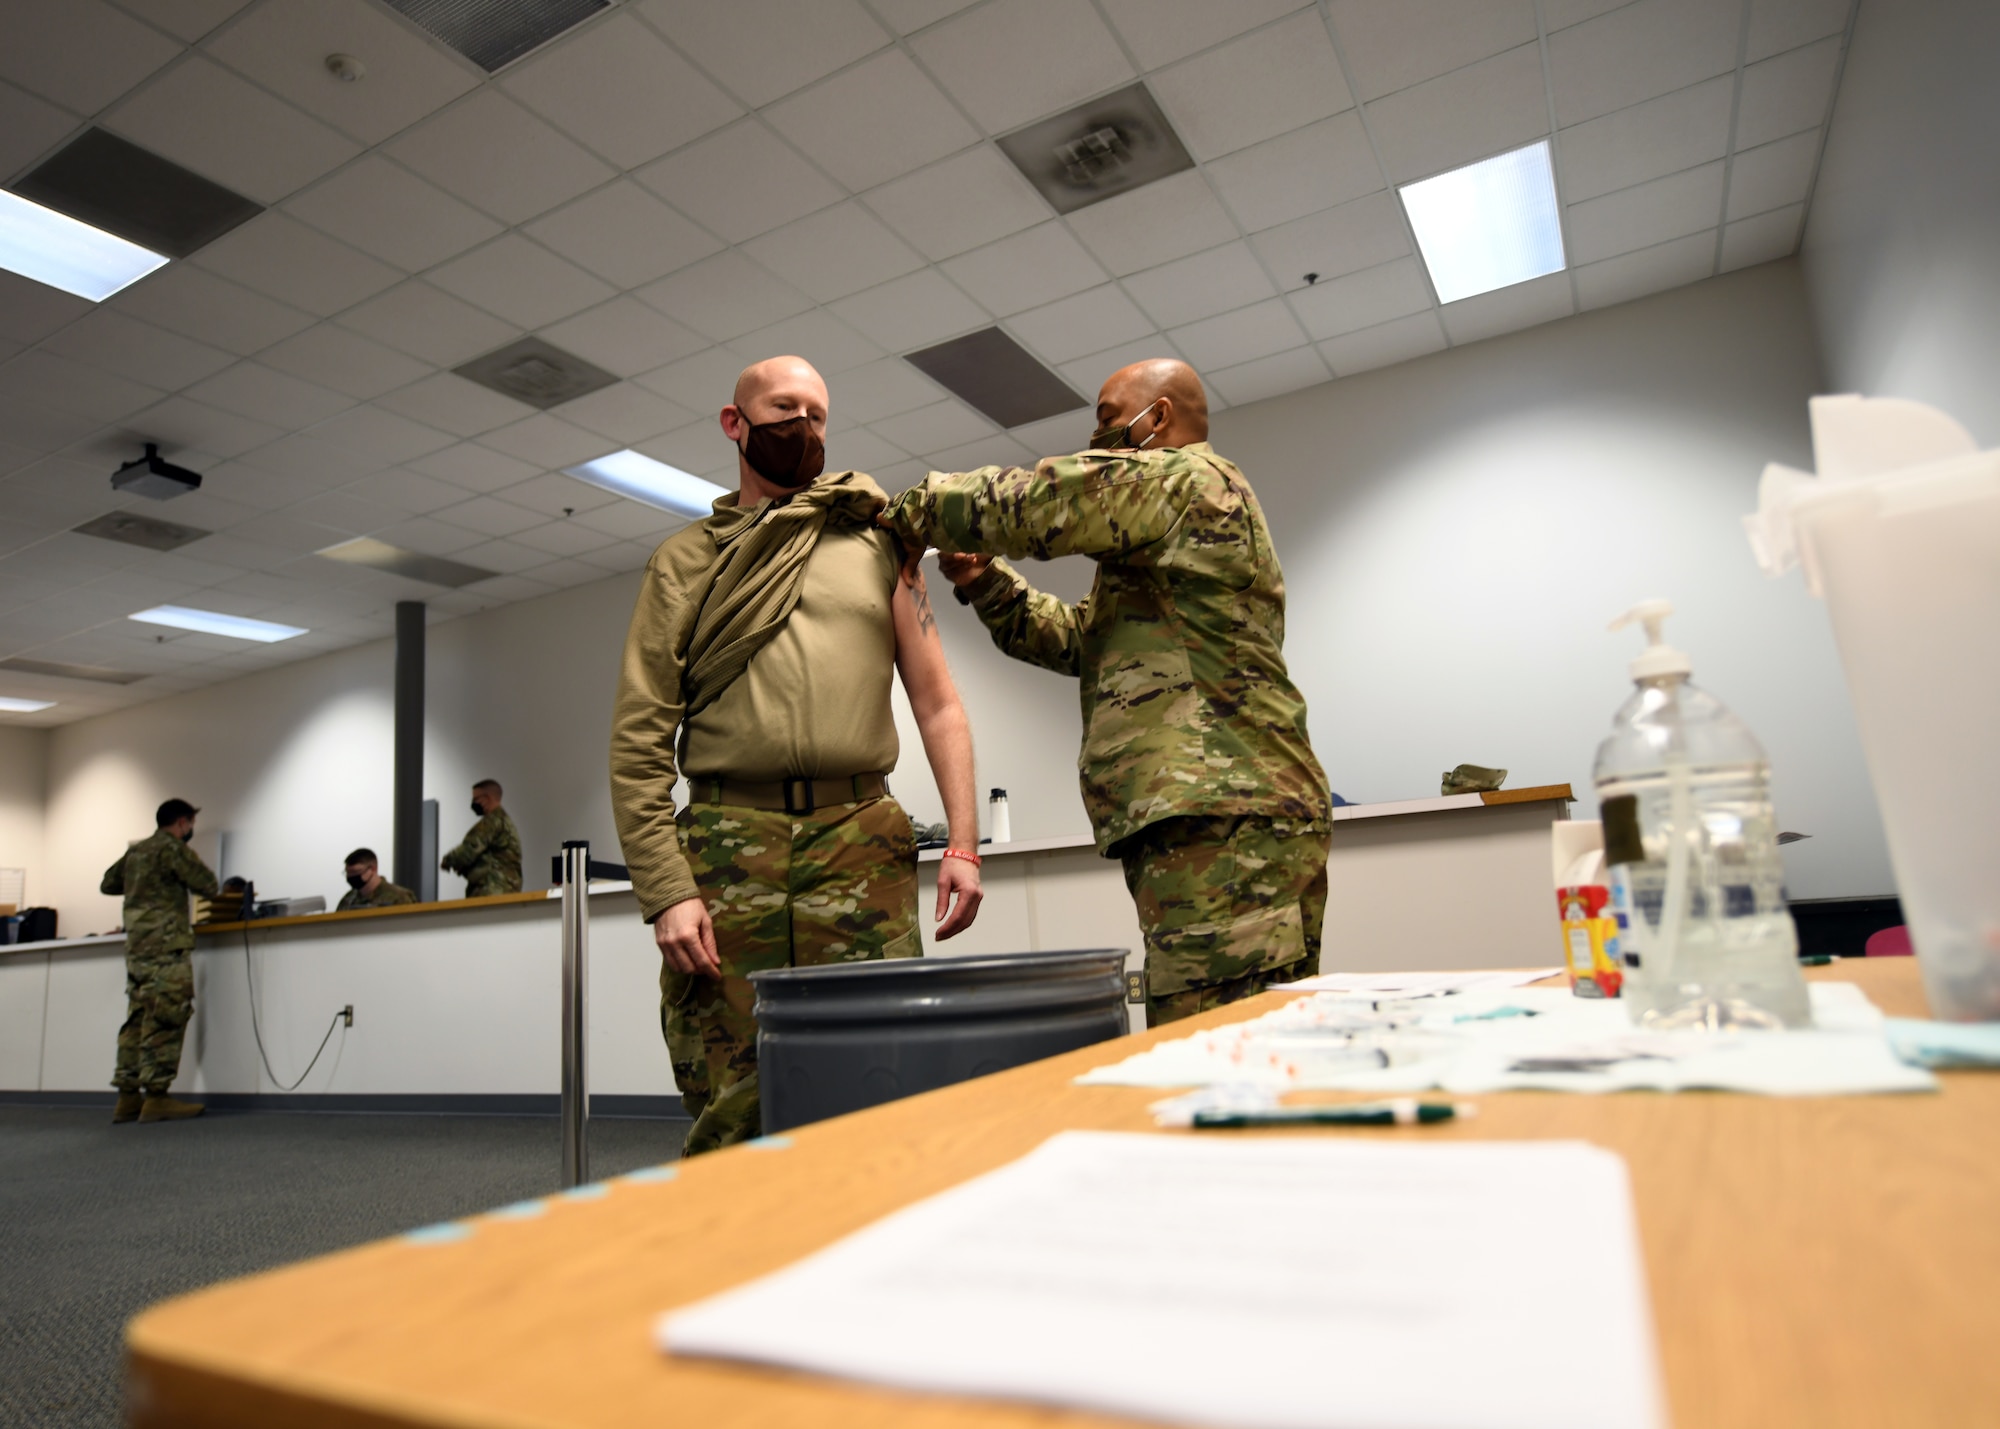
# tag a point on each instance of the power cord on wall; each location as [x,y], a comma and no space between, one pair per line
[345,1014]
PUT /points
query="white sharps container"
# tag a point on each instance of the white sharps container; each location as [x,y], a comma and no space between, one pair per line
[1900,534]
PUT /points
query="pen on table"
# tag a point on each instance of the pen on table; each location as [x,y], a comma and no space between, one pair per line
[1401,1111]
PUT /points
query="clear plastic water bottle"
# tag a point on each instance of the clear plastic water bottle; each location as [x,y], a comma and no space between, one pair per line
[1684,792]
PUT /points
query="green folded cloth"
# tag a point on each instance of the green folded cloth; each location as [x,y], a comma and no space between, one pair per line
[1473,779]
[1943,1044]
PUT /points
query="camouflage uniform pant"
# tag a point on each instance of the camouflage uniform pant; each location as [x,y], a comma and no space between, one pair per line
[783,890]
[159,996]
[1229,905]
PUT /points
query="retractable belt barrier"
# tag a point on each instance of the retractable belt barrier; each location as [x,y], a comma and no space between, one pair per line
[572,871]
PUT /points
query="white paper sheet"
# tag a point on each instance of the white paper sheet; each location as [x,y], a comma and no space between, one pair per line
[1416,984]
[1404,1293]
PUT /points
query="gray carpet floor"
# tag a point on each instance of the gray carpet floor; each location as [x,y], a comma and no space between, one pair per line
[99,1221]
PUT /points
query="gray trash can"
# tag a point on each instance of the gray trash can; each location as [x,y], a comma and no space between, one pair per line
[845,1036]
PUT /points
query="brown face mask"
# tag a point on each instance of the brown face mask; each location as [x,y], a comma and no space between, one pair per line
[787,454]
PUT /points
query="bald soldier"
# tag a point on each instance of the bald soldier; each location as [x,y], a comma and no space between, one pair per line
[1196,770]
[758,663]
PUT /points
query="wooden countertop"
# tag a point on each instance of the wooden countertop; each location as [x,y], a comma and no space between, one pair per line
[1820,1262]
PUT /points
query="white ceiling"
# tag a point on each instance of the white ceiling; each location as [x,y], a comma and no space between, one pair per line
[679,187]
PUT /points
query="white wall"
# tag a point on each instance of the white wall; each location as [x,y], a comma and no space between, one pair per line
[1902,250]
[24,757]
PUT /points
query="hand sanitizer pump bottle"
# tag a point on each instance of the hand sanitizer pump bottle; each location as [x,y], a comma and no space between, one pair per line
[1684,792]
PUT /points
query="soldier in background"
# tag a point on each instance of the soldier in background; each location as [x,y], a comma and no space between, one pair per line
[489,856]
[367,888]
[155,877]
[1196,770]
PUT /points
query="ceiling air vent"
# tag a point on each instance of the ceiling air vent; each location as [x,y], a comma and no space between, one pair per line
[495,33]
[992,372]
[536,372]
[21,664]
[1098,150]
[135,530]
[123,189]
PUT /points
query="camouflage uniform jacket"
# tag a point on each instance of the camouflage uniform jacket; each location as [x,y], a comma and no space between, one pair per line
[1187,708]
[489,856]
[386,895]
[155,877]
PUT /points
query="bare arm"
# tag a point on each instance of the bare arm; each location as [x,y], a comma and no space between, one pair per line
[947,736]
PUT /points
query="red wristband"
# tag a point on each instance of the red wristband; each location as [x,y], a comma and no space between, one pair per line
[972,858]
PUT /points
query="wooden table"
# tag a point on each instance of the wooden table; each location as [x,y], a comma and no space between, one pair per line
[1824,1262]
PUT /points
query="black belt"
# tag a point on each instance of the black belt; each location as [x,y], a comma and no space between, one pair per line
[788,796]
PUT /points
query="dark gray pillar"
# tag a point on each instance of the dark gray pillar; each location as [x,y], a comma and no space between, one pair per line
[407,807]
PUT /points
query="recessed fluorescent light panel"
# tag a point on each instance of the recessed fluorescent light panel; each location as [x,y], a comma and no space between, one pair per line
[1488,225]
[10,705]
[54,248]
[210,622]
[654,483]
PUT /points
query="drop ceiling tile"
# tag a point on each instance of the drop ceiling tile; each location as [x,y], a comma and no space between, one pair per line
[969,199]
[697,447]
[29,128]
[429,536]
[1383,346]
[42,428]
[30,311]
[130,348]
[871,123]
[763,49]
[1561,14]
[1309,169]
[835,252]
[1645,214]
[495,155]
[185,19]
[1760,239]
[81,54]
[1787,94]
[997,449]
[553,492]
[283,46]
[450,403]
[567,573]
[387,211]
[1778,25]
[1772,176]
[521,282]
[509,559]
[253,390]
[324,464]
[862,450]
[547,441]
[702,383]
[282,258]
[625,337]
[382,436]
[1650,270]
[622,90]
[908,16]
[1653,47]
[1647,141]
[1201,286]
[489,517]
[724,296]
[404,491]
[943,424]
[740,182]
[1087,322]
[1153,225]
[1524,305]
[1257,87]
[913,311]
[1012,61]
[626,413]
[1088,374]
[1231,338]
[217,123]
[624,235]
[1484,109]
[819,337]
[46,379]
[881,389]
[194,302]
[1158,32]
[1347,239]
[1391,46]
[1271,376]
[202,427]
[1362,300]
[1026,270]
[418,319]
[565,537]
[1058,435]
[474,467]
[254,486]
[345,361]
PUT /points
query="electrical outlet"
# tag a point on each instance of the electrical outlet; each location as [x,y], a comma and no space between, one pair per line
[1135,987]
[347,1014]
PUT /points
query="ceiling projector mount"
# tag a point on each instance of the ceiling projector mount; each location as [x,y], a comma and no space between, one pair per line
[151,475]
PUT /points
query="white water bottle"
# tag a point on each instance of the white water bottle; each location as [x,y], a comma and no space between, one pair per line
[998,829]
[1684,792]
